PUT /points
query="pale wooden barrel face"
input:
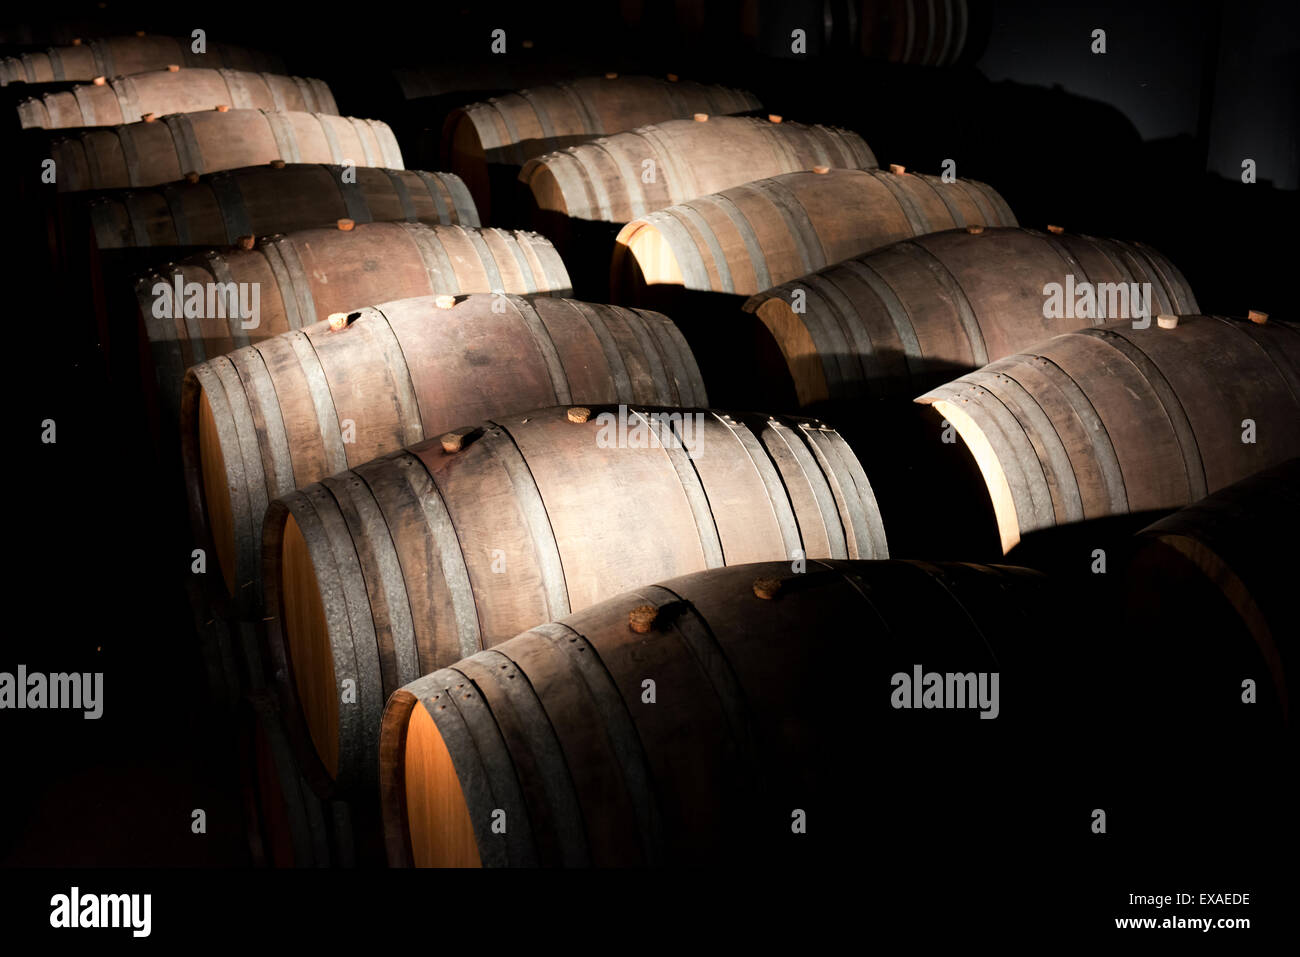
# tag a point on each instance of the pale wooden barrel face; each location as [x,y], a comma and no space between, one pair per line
[442,834]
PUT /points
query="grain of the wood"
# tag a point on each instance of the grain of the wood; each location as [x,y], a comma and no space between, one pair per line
[1113,420]
[898,320]
[399,373]
[767,232]
[164,151]
[500,535]
[126,99]
[626,175]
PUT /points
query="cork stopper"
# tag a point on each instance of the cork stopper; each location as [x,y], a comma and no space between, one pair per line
[453,442]
[76,41]
[148,117]
[1257,317]
[974,230]
[277,164]
[337,320]
[642,618]
[445,302]
[99,80]
[139,33]
[1055,230]
[767,588]
[774,117]
[223,107]
[579,414]
[1165,321]
[672,77]
[611,76]
[821,170]
[173,68]
[701,117]
[245,242]
[346,224]
[191,177]
[897,169]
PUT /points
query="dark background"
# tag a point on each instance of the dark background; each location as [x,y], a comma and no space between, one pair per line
[1144,142]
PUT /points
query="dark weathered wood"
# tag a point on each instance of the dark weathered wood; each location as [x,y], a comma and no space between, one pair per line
[130,99]
[606,180]
[1208,596]
[754,715]
[172,147]
[530,520]
[1111,420]
[264,420]
[122,56]
[305,276]
[507,131]
[898,320]
[259,200]
[764,233]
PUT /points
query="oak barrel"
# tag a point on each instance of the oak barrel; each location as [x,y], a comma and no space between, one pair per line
[1207,594]
[509,130]
[764,684]
[260,200]
[748,238]
[1113,420]
[169,149]
[620,177]
[304,277]
[898,320]
[406,564]
[130,99]
[122,56]
[294,409]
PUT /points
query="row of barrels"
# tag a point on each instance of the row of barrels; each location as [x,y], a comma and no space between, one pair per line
[400,488]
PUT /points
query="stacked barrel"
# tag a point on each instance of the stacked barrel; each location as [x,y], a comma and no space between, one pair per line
[532,496]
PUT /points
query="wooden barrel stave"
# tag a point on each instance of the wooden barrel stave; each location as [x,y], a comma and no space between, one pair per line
[906,316]
[519,540]
[1167,410]
[770,231]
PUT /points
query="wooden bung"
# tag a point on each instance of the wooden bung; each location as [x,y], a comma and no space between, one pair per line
[445,302]
[346,224]
[173,68]
[641,619]
[1257,317]
[579,414]
[246,242]
[897,169]
[767,588]
[1055,230]
[1165,321]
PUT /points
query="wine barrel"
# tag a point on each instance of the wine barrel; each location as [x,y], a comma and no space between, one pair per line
[921,32]
[1113,420]
[682,159]
[766,232]
[1207,599]
[153,153]
[410,562]
[259,200]
[123,56]
[899,320]
[553,733]
[509,130]
[264,420]
[129,99]
[304,277]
